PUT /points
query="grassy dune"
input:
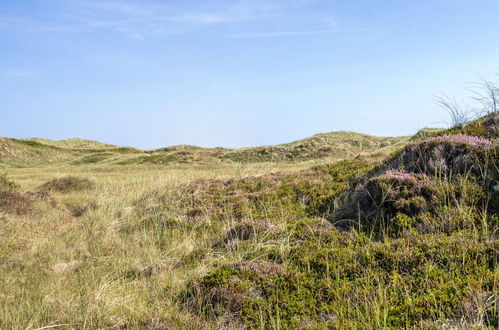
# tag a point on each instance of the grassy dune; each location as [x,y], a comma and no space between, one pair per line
[37,152]
[74,143]
[360,235]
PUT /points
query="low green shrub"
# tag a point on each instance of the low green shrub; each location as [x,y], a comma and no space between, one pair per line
[343,280]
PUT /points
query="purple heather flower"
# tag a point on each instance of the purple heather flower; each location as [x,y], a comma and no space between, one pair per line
[398,175]
[419,180]
[473,141]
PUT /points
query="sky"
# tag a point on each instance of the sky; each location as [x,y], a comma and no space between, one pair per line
[238,73]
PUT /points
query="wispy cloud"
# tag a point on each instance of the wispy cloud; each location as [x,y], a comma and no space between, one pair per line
[274,34]
[139,20]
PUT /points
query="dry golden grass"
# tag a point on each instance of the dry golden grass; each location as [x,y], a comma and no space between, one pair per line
[85,270]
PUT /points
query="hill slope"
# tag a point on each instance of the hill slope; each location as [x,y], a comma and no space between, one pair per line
[335,145]
[331,146]
[73,143]
[37,152]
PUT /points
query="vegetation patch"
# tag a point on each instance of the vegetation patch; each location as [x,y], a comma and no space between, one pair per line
[68,184]
[79,208]
[92,159]
[441,183]
[407,242]
[426,132]
[487,127]
[345,281]
[336,145]
[247,230]
[447,156]
[12,201]
[306,193]
[413,244]
[7,183]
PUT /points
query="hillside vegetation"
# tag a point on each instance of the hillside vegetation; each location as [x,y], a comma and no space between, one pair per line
[40,152]
[338,231]
[328,146]
[74,143]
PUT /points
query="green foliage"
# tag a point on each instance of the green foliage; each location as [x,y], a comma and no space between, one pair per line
[475,128]
[341,280]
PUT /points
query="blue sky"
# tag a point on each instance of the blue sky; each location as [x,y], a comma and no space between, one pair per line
[236,73]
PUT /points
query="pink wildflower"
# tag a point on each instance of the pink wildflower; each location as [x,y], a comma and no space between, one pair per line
[473,141]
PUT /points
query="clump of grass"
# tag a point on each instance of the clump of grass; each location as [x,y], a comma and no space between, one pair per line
[487,127]
[78,208]
[68,184]
[247,230]
[6,182]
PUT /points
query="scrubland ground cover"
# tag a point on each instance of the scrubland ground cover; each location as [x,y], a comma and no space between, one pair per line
[407,240]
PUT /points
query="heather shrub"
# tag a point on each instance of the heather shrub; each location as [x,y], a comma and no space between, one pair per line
[13,202]
[386,196]
[442,183]
[400,192]
[474,141]
[445,156]
[68,184]
[41,196]
[244,290]
[343,281]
